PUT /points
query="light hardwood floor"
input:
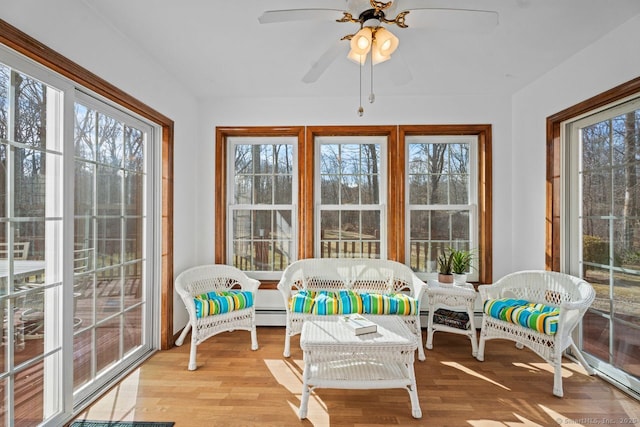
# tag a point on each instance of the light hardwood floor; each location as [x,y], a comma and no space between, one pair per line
[234,386]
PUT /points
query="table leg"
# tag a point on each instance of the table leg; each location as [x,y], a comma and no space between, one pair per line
[416,412]
[430,328]
[472,332]
[304,399]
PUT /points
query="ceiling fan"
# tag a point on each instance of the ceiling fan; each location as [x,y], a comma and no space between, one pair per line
[374,15]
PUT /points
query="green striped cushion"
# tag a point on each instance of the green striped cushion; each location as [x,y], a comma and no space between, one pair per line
[539,317]
[325,302]
[316,302]
[389,304]
[222,302]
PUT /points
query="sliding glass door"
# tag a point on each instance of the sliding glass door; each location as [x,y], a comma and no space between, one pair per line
[111,308]
[79,194]
[606,227]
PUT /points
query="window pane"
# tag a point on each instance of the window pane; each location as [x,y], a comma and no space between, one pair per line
[109,353]
[109,187]
[30,182]
[329,189]
[110,141]
[134,149]
[350,234]
[30,127]
[262,239]
[597,193]
[85,132]
[283,190]
[263,187]
[133,193]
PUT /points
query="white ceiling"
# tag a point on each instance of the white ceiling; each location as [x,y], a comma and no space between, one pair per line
[218,48]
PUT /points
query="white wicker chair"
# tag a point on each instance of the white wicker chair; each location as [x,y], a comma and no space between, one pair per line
[571,294]
[211,278]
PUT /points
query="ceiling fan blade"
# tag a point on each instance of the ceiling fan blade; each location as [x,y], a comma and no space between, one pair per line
[327,58]
[286,15]
[452,19]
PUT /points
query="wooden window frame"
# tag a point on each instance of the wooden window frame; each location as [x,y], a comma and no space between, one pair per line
[395,175]
[553,225]
[47,57]
[485,187]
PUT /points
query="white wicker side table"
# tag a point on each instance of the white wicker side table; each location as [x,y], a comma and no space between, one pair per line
[334,357]
[456,298]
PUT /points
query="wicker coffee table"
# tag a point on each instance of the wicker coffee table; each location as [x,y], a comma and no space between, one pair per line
[334,357]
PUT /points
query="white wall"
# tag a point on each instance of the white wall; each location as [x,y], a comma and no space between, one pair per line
[608,62]
[110,56]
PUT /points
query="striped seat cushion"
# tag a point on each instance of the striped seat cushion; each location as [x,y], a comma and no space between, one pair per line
[325,302]
[220,302]
[539,317]
[395,303]
[349,302]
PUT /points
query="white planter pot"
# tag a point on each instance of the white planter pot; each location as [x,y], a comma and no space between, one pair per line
[459,279]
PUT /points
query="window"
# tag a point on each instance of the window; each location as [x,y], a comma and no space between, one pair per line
[348,187]
[442,199]
[262,198]
[351,189]
[594,200]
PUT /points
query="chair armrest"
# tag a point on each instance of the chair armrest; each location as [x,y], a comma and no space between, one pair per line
[250,285]
[488,292]
[419,288]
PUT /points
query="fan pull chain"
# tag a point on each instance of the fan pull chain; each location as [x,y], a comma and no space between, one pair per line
[372,96]
[360,109]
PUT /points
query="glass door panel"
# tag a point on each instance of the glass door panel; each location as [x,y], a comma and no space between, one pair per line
[30,249]
[609,218]
[111,177]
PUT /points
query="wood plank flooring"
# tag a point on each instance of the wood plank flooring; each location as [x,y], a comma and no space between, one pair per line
[234,386]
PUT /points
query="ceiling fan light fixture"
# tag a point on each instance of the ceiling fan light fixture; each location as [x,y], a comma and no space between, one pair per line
[385,41]
[378,57]
[361,41]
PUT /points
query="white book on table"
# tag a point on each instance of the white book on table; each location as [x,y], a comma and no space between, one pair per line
[358,324]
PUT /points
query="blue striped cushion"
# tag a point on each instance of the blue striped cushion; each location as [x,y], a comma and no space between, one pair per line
[325,302]
[539,317]
[220,302]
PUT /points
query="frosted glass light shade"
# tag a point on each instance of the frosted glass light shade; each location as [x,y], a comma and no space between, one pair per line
[385,42]
[361,41]
[358,59]
[376,56]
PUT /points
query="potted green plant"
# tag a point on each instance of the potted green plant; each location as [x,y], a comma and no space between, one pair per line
[461,261]
[445,265]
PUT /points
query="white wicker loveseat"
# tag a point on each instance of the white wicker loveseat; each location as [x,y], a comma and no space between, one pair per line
[218,298]
[539,310]
[316,287]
